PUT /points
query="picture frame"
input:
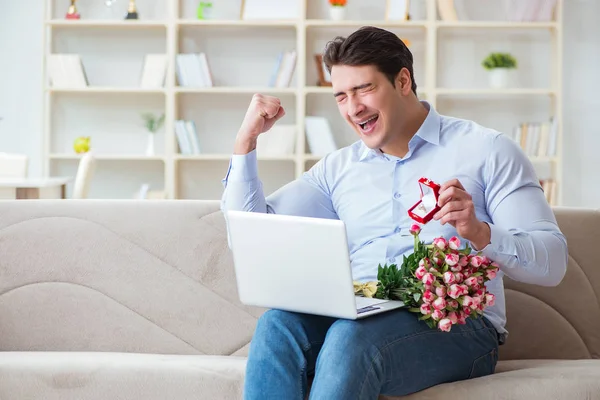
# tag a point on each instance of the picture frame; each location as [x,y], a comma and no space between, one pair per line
[397,10]
[324,78]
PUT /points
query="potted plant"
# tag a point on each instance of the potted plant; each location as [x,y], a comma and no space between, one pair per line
[498,65]
[153,124]
[337,11]
[203,10]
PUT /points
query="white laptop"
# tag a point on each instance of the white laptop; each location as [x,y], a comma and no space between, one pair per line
[297,264]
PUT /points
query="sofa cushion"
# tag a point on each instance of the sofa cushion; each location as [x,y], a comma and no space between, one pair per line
[524,379]
[100,376]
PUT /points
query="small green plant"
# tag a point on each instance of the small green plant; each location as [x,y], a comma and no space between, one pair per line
[499,60]
[152,122]
[201,6]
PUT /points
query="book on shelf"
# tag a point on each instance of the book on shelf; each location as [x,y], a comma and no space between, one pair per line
[154,71]
[284,69]
[319,136]
[66,71]
[537,139]
[187,137]
[280,140]
[193,70]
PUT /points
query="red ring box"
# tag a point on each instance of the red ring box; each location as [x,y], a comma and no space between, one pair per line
[427,206]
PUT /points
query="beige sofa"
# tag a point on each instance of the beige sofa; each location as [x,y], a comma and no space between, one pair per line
[137,300]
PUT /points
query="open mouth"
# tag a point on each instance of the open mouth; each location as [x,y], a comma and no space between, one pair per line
[368,125]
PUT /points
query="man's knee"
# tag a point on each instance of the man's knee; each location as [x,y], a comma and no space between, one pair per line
[275,321]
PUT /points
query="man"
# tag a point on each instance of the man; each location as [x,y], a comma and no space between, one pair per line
[490,197]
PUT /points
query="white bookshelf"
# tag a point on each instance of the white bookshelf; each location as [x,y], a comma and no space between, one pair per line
[241,54]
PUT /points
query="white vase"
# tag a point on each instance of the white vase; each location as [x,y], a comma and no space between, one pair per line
[150,145]
[499,78]
[337,13]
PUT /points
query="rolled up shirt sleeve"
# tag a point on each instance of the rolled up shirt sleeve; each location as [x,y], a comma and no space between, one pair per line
[525,238]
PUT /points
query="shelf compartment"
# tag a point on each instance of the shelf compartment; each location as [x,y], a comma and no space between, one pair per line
[150,12]
[112,121]
[218,117]
[114,179]
[365,12]
[224,47]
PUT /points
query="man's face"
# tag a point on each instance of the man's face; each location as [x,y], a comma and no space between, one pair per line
[369,103]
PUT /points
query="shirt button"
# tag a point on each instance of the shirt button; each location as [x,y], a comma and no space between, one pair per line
[396,195]
[501,248]
[391,259]
[397,229]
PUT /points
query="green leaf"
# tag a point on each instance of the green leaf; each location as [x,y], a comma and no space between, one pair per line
[417,296]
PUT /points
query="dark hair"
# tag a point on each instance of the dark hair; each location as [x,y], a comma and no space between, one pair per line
[371,46]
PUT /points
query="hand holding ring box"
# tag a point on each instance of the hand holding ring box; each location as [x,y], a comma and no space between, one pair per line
[424,210]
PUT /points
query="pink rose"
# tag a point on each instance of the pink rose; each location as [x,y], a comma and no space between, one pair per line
[454,243]
[420,272]
[491,274]
[428,287]
[490,299]
[476,261]
[424,262]
[453,304]
[440,243]
[445,325]
[464,289]
[425,309]
[440,291]
[452,259]
[449,278]
[453,316]
[462,318]
[459,277]
[472,281]
[415,229]
[428,296]
[476,302]
[467,301]
[439,303]
[464,261]
[428,279]
[438,314]
[456,268]
[455,291]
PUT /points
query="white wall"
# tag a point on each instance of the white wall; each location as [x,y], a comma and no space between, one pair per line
[21,79]
[21,99]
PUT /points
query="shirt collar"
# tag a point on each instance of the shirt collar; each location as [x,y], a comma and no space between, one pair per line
[428,131]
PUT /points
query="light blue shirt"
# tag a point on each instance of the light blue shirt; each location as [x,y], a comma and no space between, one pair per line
[371,192]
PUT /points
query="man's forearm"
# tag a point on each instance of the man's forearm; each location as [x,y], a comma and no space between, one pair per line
[537,256]
[243,189]
[244,145]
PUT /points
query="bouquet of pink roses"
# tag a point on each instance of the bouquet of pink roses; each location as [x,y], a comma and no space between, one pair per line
[442,282]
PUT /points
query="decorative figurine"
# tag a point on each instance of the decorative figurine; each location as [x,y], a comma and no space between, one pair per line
[72,12]
[132,11]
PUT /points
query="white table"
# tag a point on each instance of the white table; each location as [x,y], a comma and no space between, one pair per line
[34,188]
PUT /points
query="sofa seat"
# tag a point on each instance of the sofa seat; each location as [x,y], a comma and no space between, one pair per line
[524,379]
[104,375]
[119,376]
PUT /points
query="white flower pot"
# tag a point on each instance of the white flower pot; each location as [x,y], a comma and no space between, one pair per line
[150,145]
[499,78]
[337,13]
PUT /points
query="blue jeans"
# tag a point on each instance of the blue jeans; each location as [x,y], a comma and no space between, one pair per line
[392,353]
